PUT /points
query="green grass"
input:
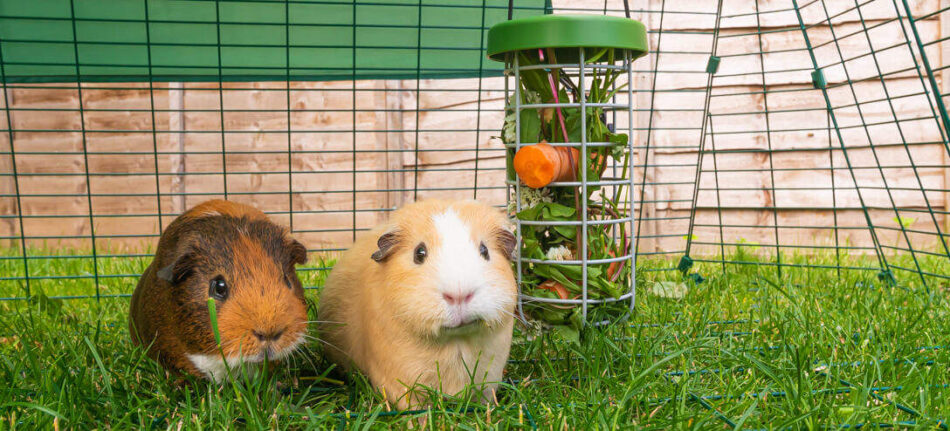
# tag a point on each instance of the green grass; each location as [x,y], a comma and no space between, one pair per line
[745,348]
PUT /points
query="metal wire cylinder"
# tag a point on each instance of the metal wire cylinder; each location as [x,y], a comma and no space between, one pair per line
[603,209]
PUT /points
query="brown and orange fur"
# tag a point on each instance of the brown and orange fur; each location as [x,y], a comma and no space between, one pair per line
[255,256]
[382,316]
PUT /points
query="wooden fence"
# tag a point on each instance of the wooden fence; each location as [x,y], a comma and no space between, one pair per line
[138,154]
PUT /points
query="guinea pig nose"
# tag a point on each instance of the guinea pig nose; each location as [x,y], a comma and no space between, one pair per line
[271,335]
[459,298]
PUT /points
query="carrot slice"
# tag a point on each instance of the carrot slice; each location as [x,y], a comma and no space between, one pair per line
[539,164]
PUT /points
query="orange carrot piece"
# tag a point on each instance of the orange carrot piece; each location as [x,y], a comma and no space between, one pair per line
[539,164]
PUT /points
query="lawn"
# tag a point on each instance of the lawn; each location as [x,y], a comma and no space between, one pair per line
[745,348]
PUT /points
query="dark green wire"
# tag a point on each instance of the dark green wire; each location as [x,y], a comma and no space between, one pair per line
[415,165]
[824,91]
[478,106]
[649,129]
[353,118]
[8,98]
[151,101]
[722,236]
[897,122]
[701,148]
[768,139]
[82,125]
[290,150]
[871,140]
[224,150]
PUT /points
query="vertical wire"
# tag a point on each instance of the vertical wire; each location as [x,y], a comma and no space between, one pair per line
[715,154]
[415,153]
[7,99]
[834,193]
[867,133]
[290,154]
[518,235]
[478,109]
[224,159]
[151,99]
[646,151]
[85,152]
[900,130]
[768,140]
[882,260]
[702,136]
[353,118]
[584,160]
[634,239]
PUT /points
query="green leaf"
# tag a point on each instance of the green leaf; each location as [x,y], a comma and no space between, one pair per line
[568,333]
[531,214]
[568,232]
[531,248]
[510,164]
[553,273]
[556,211]
[573,124]
[620,139]
[530,126]
[577,320]
[905,222]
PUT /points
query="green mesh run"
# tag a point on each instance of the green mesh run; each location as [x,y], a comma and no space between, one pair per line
[761,134]
[765,137]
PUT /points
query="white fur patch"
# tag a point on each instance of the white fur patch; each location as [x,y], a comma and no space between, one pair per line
[213,366]
[461,270]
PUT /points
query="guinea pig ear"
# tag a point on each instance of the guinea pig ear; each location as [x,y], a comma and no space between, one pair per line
[298,252]
[178,270]
[387,245]
[507,242]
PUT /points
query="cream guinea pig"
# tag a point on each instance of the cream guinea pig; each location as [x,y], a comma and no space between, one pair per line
[427,298]
[232,253]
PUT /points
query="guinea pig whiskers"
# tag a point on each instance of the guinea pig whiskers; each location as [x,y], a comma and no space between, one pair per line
[516,317]
[310,337]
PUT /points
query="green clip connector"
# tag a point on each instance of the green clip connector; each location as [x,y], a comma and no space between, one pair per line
[818,79]
[887,276]
[685,264]
[713,65]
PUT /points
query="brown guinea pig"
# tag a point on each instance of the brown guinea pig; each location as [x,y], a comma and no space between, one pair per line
[234,254]
[427,298]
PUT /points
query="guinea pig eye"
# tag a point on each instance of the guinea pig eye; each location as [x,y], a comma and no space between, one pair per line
[420,254]
[482,250]
[218,288]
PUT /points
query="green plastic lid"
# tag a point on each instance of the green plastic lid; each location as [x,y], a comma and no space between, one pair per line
[567,31]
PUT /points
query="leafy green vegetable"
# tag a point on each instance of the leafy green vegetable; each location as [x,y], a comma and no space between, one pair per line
[530,125]
[565,203]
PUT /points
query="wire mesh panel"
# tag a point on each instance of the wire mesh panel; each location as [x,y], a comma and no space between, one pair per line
[769,137]
[760,129]
[821,116]
[120,116]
